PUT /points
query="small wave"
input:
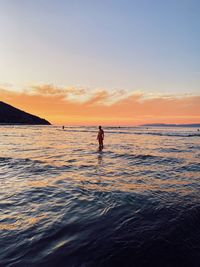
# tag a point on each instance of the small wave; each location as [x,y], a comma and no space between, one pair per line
[142,157]
[172,150]
[190,167]
[145,158]
[132,131]
[35,167]
[18,160]
[170,134]
[5,159]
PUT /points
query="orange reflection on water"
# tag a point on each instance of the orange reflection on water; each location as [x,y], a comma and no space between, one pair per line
[39,183]
[23,222]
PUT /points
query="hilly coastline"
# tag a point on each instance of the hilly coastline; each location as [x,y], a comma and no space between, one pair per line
[12,115]
[172,125]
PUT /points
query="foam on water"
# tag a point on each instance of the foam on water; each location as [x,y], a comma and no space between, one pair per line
[64,203]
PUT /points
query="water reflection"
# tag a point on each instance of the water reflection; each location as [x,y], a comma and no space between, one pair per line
[100,158]
[99,166]
[61,196]
[23,222]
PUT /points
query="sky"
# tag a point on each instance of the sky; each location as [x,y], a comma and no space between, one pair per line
[102,61]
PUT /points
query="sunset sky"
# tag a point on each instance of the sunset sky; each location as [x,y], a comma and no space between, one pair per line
[116,62]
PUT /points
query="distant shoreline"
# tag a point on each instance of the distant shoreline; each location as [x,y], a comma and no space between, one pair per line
[171,125]
[106,126]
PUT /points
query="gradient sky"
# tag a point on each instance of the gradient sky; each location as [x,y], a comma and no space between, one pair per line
[117,48]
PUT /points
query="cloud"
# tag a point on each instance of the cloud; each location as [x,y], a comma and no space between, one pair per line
[51,90]
[99,98]
[73,105]
[48,90]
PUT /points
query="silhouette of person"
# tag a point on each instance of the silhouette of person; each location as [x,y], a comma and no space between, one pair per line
[100,138]
[63,127]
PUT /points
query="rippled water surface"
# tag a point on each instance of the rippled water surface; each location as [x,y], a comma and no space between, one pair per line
[64,203]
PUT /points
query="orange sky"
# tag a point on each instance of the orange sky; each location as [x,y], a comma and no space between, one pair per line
[80,106]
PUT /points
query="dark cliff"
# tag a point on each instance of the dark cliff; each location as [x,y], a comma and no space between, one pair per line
[12,115]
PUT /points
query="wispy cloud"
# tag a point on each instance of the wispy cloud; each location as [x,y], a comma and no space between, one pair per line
[51,90]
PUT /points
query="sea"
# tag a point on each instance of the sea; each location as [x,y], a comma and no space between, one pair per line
[64,203]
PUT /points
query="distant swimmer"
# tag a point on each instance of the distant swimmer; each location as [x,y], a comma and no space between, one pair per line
[63,127]
[197,130]
[100,138]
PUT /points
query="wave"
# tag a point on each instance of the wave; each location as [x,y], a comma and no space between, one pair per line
[175,134]
[142,158]
[26,166]
[170,134]
[192,167]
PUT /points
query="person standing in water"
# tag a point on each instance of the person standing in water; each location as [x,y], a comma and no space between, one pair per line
[100,138]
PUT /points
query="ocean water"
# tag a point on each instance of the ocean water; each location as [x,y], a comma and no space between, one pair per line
[64,203]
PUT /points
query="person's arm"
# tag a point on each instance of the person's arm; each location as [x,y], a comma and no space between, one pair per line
[103,134]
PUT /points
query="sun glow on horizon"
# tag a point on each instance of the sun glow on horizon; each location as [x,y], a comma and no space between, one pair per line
[61,105]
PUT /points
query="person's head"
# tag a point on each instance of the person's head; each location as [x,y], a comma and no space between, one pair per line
[99,127]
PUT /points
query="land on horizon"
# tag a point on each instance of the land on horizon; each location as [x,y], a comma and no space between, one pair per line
[172,124]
